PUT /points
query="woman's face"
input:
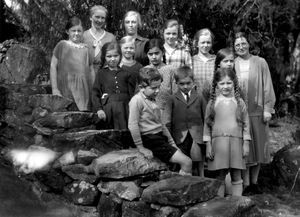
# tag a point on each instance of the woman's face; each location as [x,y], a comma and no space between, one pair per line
[98,19]
[171,35]
[204,44]
[241,47]
[130,23]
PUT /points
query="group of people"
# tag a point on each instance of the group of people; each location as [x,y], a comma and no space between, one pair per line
[183,109]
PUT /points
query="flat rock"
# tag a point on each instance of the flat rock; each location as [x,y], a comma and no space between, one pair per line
[136,209]
[181,191]
[52,103]
[126,190]
[224,207]
[51,124]
[125,163]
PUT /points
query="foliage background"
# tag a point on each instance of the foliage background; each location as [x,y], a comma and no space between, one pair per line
[274,24]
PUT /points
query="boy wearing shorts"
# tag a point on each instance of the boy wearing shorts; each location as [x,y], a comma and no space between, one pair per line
[150,136]
[184,117]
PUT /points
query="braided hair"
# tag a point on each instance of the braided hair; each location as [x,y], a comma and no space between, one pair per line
[219,74]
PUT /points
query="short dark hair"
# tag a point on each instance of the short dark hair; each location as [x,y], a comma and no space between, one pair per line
[183,72]
[73,21]
[147,75]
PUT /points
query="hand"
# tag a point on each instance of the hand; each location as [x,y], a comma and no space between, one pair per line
[209,151]
[146,152]
[267,116]
[56,92]
[101,115]
[245,148]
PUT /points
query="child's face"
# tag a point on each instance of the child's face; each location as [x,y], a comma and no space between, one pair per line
[204,44]
[171,35]
[225,86]
[75,33]
[227,62]
[98,19]
[152,90]
[128,50]
[112,58]
[155,56]
[185,84]
[130,24]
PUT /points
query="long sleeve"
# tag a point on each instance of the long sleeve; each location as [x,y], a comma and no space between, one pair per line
[97,93]
[133,121]
[245,119]
[131,83]
[167,114]
[269,95]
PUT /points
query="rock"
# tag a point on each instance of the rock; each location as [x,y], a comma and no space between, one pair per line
[77,173]
[81,192]
[109,206]
[86,157]
[286,163]
[135,209]
[54,179]
[125,189]
[125,163]
[38,113]
[227,206]
[181,191]
[52,103]
[22,64]
[168,211]
[87,140]
[88,211]
[58,122]
[66,159]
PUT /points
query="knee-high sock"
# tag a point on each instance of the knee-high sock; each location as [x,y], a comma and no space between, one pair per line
[246,177]
[237,188]
[254,171]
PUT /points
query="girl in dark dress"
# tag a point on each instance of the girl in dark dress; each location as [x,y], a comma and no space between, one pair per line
[113,88]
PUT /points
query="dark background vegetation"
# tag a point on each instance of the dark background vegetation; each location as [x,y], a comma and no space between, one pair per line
[274,25]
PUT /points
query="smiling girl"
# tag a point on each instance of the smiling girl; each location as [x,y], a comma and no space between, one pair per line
[112,89]
[71,70]
[204,61]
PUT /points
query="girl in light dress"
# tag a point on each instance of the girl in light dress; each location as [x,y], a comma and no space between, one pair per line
[203,61]
[71,70]
[226,130]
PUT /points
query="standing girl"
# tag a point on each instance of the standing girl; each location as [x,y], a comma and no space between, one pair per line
[204,61]
[226,130]
[224,59]
[96,36]
[257,87]
[71,70]
[112,89]
[175,54]
[128,62]
[155,52]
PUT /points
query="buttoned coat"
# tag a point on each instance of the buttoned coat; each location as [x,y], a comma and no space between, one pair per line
[182,117]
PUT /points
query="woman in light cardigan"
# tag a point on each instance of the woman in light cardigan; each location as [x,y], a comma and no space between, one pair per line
[258,93]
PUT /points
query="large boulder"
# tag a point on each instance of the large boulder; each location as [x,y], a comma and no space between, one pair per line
[286,165]
[225,207]
[181,191]
[23,64]
[125,163]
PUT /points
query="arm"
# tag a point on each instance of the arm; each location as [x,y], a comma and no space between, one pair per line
[269,95]
[53,76]
[133,126]
[131,83]
[246,128]
[96,98]
[167,114]
[207,133]
[93,74]
[188,59]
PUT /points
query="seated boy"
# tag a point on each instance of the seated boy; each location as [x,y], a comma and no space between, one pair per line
[184,117]
[148,133]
